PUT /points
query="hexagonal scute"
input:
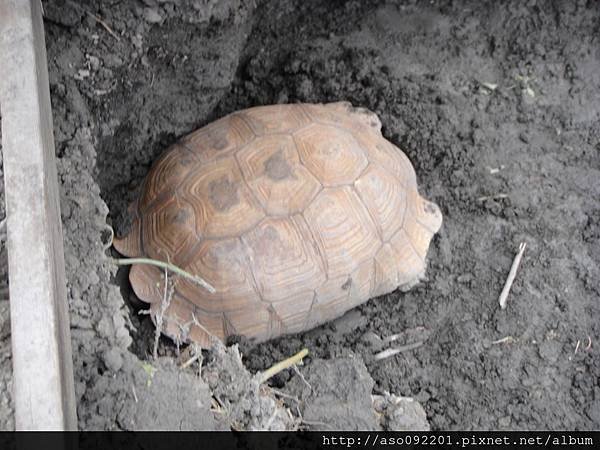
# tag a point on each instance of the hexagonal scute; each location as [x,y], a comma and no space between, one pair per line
[385,154]
[223,203]
[273,171]
[275,118]
[332,155]
[385,198]
[224,265]
[166,175]
[343,230]
[283,260]
[219,139]
[168,231]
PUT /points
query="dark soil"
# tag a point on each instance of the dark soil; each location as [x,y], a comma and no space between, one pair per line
[497,104]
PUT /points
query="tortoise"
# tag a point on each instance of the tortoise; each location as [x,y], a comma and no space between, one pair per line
[294,213]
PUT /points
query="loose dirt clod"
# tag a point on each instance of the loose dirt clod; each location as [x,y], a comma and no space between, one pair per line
[337,395]
[400,413]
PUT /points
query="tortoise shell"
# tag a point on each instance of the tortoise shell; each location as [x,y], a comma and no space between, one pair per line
[294,213]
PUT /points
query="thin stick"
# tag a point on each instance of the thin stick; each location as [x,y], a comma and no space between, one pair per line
[492,197]
[285,364]
[190,361]
[135,397]
[168,266]
[159,317]
[302,377]
[507,339]
[394,351]
[511,276]
[283,394]
[104,25]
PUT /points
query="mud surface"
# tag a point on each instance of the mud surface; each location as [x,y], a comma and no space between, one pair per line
[497,106]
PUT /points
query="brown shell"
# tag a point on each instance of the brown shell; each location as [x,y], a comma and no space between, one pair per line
[294,213]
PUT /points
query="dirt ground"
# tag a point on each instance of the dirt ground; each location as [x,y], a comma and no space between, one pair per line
[497,104]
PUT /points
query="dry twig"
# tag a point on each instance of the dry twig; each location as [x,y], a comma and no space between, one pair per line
[163,265]
[302,377]
[104,25]
[511,276]
[190,361]
[168,294]
[285,364]
[394,351]
[492,197]
[507,339]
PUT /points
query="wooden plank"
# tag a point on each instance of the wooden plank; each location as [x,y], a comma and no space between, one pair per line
[41,345]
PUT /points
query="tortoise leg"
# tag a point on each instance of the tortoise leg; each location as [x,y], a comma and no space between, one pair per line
[364,115]
[429,215]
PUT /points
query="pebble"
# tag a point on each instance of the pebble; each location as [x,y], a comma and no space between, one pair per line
[112,61]
[504,422]
[94,62]
[82,74]
[113,360]
[152,16]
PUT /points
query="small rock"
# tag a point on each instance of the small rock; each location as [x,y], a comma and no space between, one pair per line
[400,413]
[504,422]
[112,61]
[372,339]
[94,62]
[82,74]
[113,360]
[152,16]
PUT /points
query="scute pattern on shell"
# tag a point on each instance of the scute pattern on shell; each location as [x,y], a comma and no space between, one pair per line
[294,213]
